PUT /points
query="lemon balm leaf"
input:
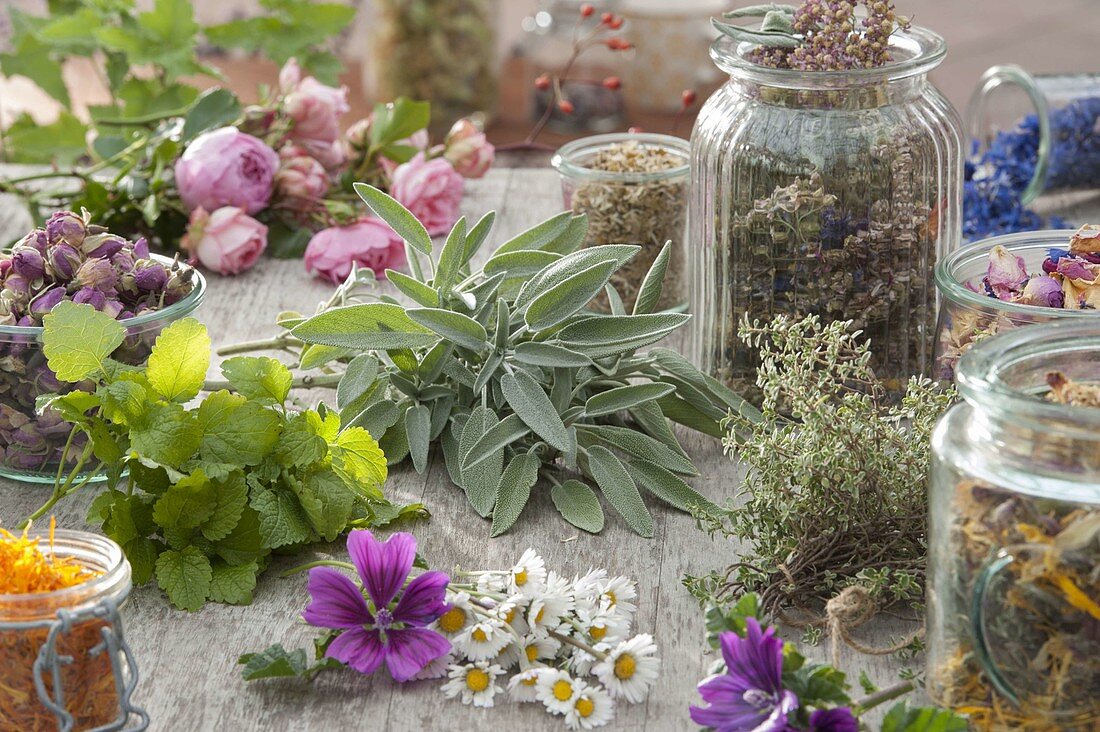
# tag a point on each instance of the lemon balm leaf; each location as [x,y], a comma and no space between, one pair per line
[77,340]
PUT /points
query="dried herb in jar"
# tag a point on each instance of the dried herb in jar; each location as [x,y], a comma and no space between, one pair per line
[627,210]
[88,679]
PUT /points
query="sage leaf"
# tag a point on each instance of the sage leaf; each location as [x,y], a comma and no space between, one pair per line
[522,263]
[418,428]
[771,39]
[684,413]
[455,327]
[571,239]
[571,264]
[599,337]
[499,436]
[413,288]
[537,236]
[434,361]
[639,445]
[360,375]
[619,490]
[395,442]
[375,419]
[649,293]
[488,370]
[400,219]
[480,480]
[624,397]
[777,21]
[513,491]
[371,326]
[751,11]
[477,235]
[563,300]
[451,258]
[314,355]
[578,504]
[651,419]
[533,406]
[666,486]
[549,356]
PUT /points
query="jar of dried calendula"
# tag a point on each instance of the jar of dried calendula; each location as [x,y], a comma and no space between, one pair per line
[1014,544]
[63,662]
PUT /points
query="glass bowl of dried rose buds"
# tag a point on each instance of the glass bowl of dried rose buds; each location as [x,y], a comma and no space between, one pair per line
[71,259]
[1007,281]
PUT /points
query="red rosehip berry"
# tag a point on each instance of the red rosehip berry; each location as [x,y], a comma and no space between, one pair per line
[542,82]
[635,130]
[566,107]
[606,18]
[615,23]
[613,83]
[587,10]
[687,98]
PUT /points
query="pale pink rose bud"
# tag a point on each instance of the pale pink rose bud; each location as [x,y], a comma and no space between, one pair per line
[431,190]
[368,243]
[289,76]
[468,150]
[226,167]
[357,136]
[315,109]
[301,181]
[227,241]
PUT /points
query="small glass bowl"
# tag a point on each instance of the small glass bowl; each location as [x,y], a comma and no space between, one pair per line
[31,444]
[643,208]
[967,317]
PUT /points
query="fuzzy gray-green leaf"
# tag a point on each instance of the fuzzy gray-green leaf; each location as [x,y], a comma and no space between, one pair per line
[499,436]
[514,490]
[537,236]
[418,428]
[460,329]
[752,11]
[624,397]
[480,481]
[578,504]
[649,293]
[414,289]
[528,400]
[562,301]
[599,337]
[771,39]
[376,418]
[639,445]
[619,489]
[400,219]
[651,419]
[550,356]
[450,258]
[666,486]
[570,265]
[571,239]
[477,235]
[523,263]
[371,326]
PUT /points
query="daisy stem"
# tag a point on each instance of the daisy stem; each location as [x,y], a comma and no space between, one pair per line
[567,640]
[318,563]
[524,664]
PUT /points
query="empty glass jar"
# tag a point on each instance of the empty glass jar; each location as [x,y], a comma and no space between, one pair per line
[1014,534]
[823,192]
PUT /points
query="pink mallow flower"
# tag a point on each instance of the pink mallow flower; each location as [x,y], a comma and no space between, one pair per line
[431,190]
[388,629]
[301,181]
[226,167]
[468,150]
[227,241]
[368,242]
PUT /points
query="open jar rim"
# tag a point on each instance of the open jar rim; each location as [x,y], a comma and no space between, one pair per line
[178,309]
[988,376]
[90,550]
[951,285]
[571,159]
[916,50]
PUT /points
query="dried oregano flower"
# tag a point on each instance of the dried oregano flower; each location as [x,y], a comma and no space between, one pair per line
[836,473]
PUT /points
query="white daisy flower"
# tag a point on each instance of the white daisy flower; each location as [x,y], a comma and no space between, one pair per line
[630,669]
[619,594]
[458,618]
[529,574]
[540,648]
[523,687]
[557,690]
[482,640]
[604,624]
[492,582]
[588,589]
[581,662]
[437,669]
[592,708]
[511,611]
[551,605]
[475,682]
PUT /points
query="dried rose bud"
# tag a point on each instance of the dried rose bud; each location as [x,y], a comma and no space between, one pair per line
[102,246]
[97,273]
[35,239]
[64,260]
[18,286]
[28,262]
[1043,291]
[124,260]
[47,300]
[150,276]
[1006,274]
[67,227]
[141,248]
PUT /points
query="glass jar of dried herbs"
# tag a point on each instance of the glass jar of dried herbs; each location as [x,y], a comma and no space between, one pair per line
[441,51]
[1014,542]
[827,192]
[634,189]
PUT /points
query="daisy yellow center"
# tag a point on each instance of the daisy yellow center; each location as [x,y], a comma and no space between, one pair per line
[453,620]
[625,666]
[538,617]
[585,707]
[532,652]
[477,680]
[521,578]
[610,597]
[562,690]
[479,635]
[530,681]
[510,616]
[598,632]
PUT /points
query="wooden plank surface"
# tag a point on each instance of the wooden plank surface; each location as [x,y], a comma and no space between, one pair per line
[188,661]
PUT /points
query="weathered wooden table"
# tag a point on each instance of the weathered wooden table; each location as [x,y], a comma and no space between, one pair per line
[190,678]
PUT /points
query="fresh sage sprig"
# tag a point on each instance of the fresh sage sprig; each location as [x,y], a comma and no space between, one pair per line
[520,384]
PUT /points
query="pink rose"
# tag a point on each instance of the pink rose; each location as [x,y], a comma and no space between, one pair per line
[332,155]
[368,242]
[314,107]
[228,241]
[468,150]
[226,167]
[431,189]
[301,181]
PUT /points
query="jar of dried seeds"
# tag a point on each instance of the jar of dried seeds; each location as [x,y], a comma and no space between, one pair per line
[823,192]
[633,187]
[1014,534]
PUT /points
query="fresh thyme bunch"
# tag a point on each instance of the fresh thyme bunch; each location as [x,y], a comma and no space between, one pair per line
[835,474]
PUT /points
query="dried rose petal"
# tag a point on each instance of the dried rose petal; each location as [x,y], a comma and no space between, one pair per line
[1043,291]
[1006,274]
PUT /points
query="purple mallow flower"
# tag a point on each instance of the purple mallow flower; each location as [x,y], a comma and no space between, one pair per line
[750,695]
[380,630]
[839,719]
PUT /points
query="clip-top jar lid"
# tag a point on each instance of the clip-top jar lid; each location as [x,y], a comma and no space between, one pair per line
[679,9]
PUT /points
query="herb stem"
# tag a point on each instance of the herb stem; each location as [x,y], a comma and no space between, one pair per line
[318,563]
[883,695]
[278,343]
[323,381]
[570,641]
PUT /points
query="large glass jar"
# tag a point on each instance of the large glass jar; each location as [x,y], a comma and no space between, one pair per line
[1014,543]
[968,315]
[442,51]
[823,192]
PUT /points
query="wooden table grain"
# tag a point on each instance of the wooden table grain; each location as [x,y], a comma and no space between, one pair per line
[189,676]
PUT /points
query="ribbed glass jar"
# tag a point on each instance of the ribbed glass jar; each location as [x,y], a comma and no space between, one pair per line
[1013,592]
[823,192]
